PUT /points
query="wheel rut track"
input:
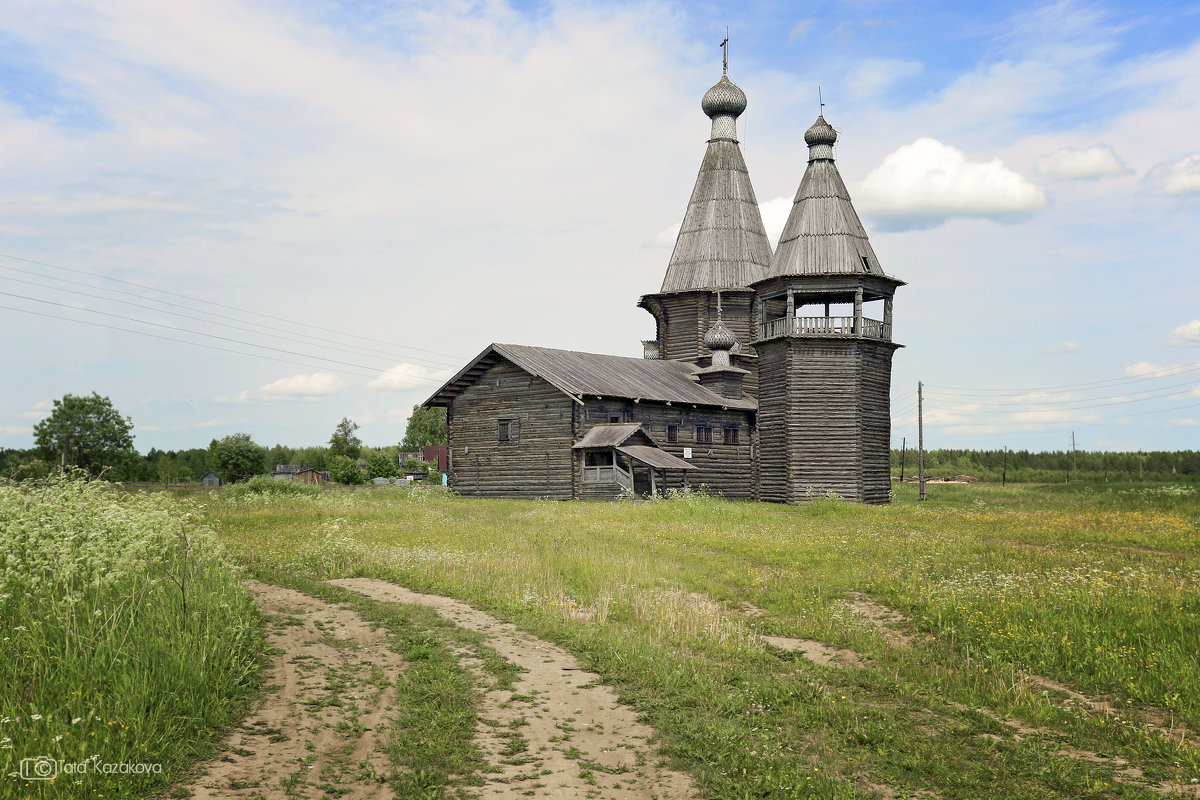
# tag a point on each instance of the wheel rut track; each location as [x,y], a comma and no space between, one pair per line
[580,741]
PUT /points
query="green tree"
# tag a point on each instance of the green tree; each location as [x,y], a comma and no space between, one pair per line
[344,469]
[344,442]
[236,457]
[425,426]
[380,464]
[87,432]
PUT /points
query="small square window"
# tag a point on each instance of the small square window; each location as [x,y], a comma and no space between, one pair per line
[615,418]
[672,433]
[703,434]
[505,429]
[731,435]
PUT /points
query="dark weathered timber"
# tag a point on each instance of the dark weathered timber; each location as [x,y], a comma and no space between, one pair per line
[682,319]
[539,461]
[824,419]
[794,400]
[535,462]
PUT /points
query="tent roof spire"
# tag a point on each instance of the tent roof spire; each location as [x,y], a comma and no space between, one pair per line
[823,234]
[721,243]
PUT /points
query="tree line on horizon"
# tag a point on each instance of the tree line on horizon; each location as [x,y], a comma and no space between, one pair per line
[1053,466]
[88,433]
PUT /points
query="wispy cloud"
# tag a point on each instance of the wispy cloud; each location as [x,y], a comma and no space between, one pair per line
[410,376]
[307,387]
[1083,163]
[1147,369]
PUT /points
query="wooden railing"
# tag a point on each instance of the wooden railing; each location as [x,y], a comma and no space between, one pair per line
[824,326]
[608,475]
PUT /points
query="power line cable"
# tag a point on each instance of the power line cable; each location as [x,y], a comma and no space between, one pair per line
[1116,398]
[183,341]
[316,341]
[1164,372]
[428,381]
[222,305]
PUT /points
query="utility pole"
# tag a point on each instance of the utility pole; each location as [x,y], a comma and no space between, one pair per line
[1074,465]
[66,449]
[903,452]
[1004,468]
[921,437]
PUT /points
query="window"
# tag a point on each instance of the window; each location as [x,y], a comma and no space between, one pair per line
[506,430]
[731,435]
[614,418]
[598,458]
[866,264]
[672,433]
[703,434]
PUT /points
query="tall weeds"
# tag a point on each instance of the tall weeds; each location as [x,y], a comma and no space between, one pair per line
[126,641]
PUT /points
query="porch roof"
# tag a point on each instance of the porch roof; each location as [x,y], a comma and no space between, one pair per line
[654,457]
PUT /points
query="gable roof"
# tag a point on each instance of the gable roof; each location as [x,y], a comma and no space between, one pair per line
[610,434]
[576,374]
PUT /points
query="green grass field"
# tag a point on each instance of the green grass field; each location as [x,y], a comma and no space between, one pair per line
[1034,641]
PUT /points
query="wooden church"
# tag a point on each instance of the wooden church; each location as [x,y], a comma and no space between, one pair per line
[767,378]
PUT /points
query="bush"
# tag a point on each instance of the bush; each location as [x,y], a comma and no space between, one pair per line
[344,470]
[264,485]
[126,633]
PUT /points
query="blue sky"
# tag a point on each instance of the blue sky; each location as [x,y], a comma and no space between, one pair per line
[342,203]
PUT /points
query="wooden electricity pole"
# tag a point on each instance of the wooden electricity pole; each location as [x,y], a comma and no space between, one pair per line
[1004,467]
[903,452]
[1074,466]
[921,438]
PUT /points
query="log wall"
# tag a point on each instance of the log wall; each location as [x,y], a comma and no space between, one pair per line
[824,419]
[536,462]
[724,469]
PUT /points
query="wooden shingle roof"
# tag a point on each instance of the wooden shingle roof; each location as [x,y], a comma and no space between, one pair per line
[722,243]
[577,374]
[823,234]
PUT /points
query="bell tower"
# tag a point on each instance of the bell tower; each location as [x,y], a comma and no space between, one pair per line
[824,362]
[721,248]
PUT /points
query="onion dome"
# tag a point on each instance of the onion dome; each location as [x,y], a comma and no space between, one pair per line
[821,132]
[720,337]
[724,98]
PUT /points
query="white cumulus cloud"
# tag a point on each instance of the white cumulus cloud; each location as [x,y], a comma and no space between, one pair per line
[1186,421]
[923,184]
[1082,163]
[410,376]
[1187,333]
[1182,177]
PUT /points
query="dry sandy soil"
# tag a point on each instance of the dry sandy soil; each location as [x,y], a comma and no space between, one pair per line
[318,730]
[580,741]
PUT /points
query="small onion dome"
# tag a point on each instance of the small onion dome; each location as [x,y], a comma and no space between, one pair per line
[821,132]
[724,98]
[720,338]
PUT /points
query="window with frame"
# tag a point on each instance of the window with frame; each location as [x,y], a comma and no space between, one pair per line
[703,434]
[672,434]
[506,430]
[615,418]
[731,434]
